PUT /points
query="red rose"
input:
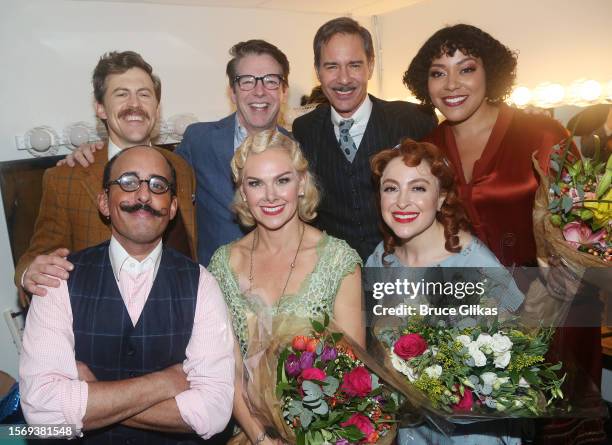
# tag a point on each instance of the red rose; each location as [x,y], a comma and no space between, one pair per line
[357,383]
[299,342]
[362,422]
[466,402]
[410,345]
[313,374]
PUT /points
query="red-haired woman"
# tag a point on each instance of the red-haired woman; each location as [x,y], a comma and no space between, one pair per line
[424,225]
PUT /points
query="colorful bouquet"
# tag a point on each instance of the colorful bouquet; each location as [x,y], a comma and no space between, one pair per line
[573,210]
[580,201]
[328,395]
[477,371]
[307,383]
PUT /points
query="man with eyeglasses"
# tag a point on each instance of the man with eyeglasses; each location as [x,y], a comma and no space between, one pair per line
[127,97]
[142,346]
[258,75]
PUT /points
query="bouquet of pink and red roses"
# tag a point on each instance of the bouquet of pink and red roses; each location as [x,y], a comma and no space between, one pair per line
[329,396]
[308,383]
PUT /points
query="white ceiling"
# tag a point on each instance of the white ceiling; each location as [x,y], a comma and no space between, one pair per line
[340,7]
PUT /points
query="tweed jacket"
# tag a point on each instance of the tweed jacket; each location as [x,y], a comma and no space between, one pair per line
[69,216]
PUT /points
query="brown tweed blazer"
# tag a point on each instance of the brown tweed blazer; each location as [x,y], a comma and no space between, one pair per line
[69,217]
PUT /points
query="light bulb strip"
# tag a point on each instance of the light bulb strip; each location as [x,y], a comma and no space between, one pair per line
[582,92]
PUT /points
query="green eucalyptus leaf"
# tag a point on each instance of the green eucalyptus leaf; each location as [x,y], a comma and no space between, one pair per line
[554,165]
[331,385]
[566,203]
[322,409]
[311,388]
[295,408]
[375,382]
[305,418]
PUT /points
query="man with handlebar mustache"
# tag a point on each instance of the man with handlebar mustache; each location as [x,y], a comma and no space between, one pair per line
[127,99]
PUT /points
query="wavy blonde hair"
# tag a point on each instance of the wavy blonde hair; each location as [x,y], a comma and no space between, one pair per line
[258,143]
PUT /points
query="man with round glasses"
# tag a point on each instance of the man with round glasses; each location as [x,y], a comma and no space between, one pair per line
[141,339]
[127,99]
[258,75]
[130,182]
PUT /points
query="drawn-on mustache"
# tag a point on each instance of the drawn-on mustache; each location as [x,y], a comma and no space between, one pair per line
[133,111]
[131,208]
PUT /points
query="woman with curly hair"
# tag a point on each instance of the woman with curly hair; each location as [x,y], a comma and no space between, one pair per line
[424,225]
[284,266]
[466,74]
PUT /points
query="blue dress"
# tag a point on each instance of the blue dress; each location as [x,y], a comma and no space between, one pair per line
[495,432]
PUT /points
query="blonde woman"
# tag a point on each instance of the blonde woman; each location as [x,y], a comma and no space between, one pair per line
[284,265]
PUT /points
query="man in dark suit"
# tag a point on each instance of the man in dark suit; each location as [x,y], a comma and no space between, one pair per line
[258,76]
[339,139]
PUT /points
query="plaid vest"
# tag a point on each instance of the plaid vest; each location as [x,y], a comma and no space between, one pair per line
[114,349]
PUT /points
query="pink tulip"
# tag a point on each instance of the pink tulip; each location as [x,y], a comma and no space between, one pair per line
[577,233]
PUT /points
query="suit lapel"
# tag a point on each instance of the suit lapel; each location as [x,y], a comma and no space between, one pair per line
[223,140]
[92,176]
[376,126]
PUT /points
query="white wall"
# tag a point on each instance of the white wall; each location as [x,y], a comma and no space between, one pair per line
[558,40]
[49,49]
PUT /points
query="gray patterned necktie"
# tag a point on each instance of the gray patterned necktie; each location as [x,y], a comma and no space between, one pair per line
[347,144]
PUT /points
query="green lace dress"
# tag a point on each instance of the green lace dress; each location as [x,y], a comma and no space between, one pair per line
[316,294]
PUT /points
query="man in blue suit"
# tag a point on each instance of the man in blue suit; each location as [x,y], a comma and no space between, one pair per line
[258,76]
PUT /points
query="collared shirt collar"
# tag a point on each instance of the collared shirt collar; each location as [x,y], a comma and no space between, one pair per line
[240,133]
[121,260]
[113,148]
[361,116]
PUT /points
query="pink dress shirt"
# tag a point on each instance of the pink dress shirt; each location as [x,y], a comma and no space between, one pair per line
[51,392]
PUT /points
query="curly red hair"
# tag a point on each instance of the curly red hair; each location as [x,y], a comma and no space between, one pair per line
[451,215]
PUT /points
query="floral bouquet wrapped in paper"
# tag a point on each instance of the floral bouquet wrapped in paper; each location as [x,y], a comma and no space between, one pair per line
[573,210]
[476,371]
[307,383]
[328,395]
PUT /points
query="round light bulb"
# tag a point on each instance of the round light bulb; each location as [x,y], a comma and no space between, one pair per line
[608,91]
[521,96]
[40,139]
[181,123]
[78,135]
[547,95]
[590,90]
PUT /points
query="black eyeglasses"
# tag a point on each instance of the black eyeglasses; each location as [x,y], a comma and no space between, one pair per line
[270,81]
[130,182]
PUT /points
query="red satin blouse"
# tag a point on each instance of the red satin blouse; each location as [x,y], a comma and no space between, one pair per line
[499,198]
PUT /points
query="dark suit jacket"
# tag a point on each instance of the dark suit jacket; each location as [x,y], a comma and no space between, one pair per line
[348,209]
[69,215]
